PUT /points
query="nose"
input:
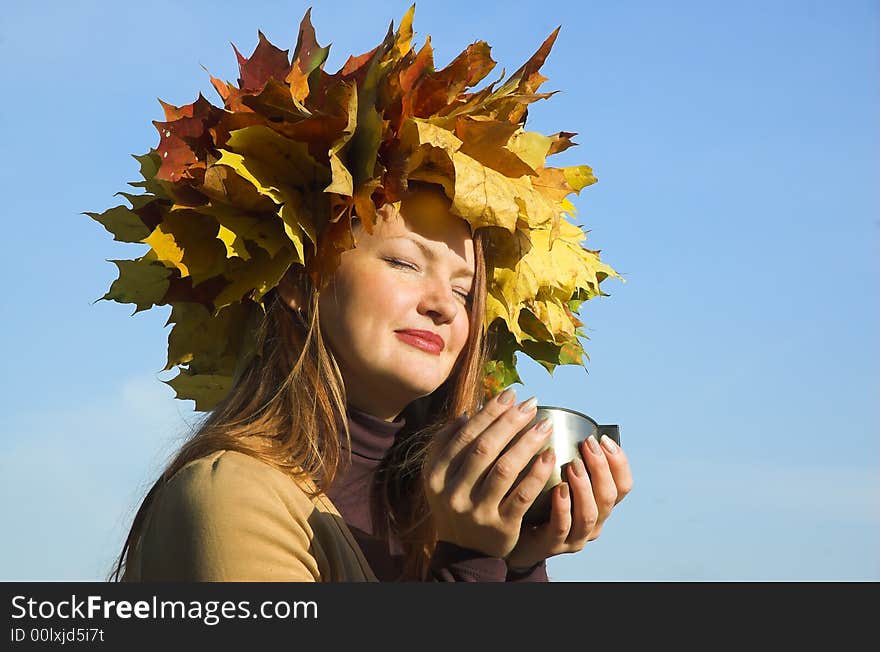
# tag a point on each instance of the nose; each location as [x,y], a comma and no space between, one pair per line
[439,301]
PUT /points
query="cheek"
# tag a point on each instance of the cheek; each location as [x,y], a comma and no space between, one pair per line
[375,300]
[387,296]
[461,330]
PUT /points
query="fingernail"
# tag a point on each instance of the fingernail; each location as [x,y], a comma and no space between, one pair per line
[544,424]
[563,490]
[548,455]
[528,405]
[594,445]
[609,444]
[577,467]
[507,396]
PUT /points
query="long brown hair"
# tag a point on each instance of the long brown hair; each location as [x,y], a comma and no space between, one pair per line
[286,407]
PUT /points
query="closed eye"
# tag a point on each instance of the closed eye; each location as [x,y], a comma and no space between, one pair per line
[394,262]
[466,296]
[399,263]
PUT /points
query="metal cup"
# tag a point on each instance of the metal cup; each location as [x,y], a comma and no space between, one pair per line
[570,428]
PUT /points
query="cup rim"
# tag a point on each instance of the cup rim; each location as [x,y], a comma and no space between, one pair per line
[565,409]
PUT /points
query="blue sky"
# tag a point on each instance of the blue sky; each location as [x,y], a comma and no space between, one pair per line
[736,146]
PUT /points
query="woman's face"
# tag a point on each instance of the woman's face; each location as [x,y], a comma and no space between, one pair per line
[414,273]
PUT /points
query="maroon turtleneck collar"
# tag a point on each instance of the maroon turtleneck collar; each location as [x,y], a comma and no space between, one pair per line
[371,436]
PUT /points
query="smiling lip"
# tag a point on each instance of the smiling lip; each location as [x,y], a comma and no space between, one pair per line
[425,340]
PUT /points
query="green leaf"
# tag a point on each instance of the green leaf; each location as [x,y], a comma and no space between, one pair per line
[125,225]
[205,389]
[142,282]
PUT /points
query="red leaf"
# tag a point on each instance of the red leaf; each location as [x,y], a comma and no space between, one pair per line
[201,108]
[437,90]
[265,63]
[184,141]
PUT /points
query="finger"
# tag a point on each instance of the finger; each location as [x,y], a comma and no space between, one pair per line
[524,493]
[584,512]
[551,536]
[619,465]
[604,488]
[559,525]
[510,465]
[446,451]
[473,461]
[595,533]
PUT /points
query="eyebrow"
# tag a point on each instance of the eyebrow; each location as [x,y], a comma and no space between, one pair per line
[462,271]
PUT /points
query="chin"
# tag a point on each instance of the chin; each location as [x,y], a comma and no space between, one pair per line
[421,386]
[417,384]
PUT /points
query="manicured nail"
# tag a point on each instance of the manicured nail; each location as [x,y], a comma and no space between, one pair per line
[563,490]
[544,424]
[507,396]
[609,444]
[577,467]
[528,405]
[548,455]
[594,445]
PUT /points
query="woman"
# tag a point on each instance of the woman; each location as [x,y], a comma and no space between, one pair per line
[234,514]
[356,439]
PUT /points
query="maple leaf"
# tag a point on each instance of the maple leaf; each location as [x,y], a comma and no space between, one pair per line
[267,62]
[142,282]
[124,224]
[205,389]
[308,56]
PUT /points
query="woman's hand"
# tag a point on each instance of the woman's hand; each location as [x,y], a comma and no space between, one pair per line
[580,506]
[467,477]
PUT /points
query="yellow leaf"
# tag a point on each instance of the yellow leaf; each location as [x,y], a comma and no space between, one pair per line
[341,179]
[404,34]
[433,165]
[342,182]
[495,308]
[296,220]
[234,245]
[224,185]
[482,195]
[488,198]
[237,163]
[531,147]
[186,240]
[553,316]
[485,140]
[237,227]
[579,176]
[416,131]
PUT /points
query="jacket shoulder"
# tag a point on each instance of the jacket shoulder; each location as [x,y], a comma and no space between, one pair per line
[226,517]
[226,479]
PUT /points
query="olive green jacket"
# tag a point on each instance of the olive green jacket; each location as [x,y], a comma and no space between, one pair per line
[228,516]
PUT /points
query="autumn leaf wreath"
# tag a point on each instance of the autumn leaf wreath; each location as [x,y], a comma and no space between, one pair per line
[233,196]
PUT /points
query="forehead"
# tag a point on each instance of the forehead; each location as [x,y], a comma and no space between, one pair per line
[423,216]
